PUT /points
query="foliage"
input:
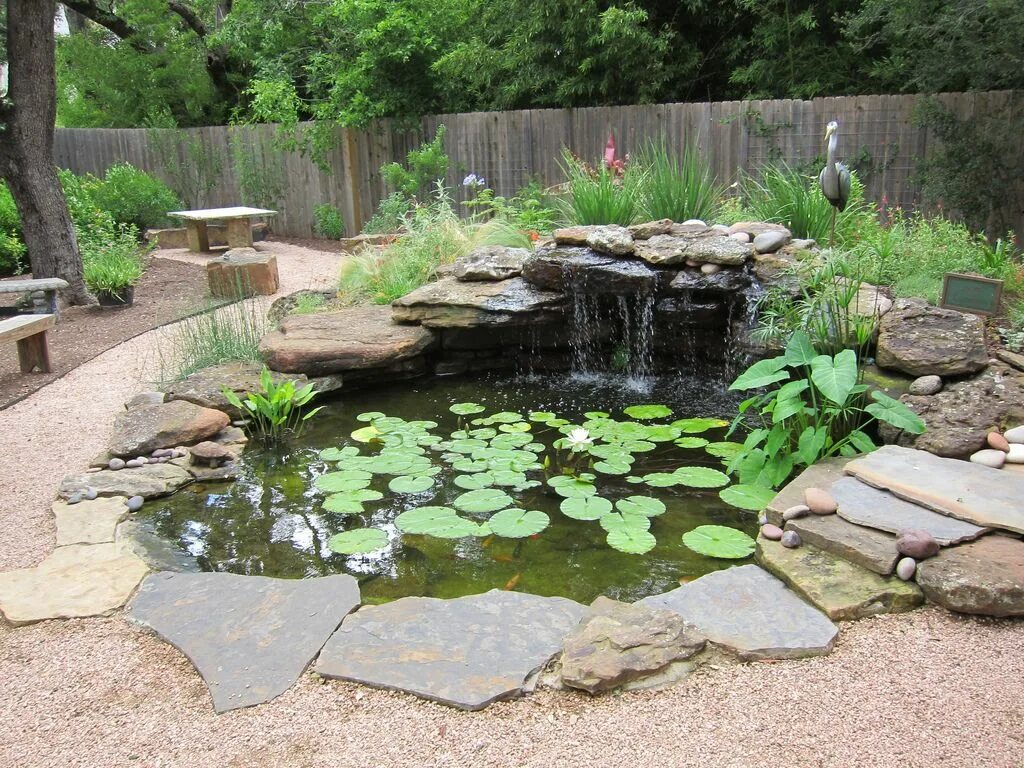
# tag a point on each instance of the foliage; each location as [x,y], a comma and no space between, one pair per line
[112,268]
[531,209]
[327,222]
[262,182]
[193,167]
[719,541]
[308,304]
[277,410]
[601,195]
[435,236]
[424,168]
[390,215]
[12,249]
[1012,332]
[216,336]
[134,197]
[679,186]
[785,196]
[814,407]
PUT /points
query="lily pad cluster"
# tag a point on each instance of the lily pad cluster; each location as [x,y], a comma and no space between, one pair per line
[494,456]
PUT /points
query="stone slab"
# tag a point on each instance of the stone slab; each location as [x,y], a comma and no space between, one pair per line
[89,522]
[750,612]
[984,577]
[837,587]
[866,506]
[866,547]
[72,582]
[964,490]
[466,652]
[141,431]
[450,303]
[148,481]
[820,475]
[249,637]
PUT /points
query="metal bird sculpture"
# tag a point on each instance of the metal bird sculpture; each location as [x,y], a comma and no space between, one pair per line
[834,178]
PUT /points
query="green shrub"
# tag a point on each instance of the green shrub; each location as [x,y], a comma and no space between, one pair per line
[531,209]
[1012,330]
[12,249]
[785,196]
[132,196]
[220,335]
[112,269]
[435,236]
[601,195]
[390,215]
[678,186]
[424,167]
[327,222]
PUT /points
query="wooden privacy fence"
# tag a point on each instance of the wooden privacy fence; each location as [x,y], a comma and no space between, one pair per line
[223,165]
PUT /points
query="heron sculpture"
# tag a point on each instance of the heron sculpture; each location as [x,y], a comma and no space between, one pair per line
[834,178]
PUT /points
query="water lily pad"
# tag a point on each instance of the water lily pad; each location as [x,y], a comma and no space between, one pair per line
[480,433]
[719,541]
[700,477]
[586,508]
[483,500]
[350,502]
[475,481]
[466,446]
[411,484]
[441,522]
[647,411]
[596,415]
[470,465]
[370,416]
[612,452]
[634,479]
[339,454]
[541,416]
[348,480]
[614,520]
[698,425]
[640,505]
[752,497]
[511,441]
[662,433]
[571,487]
[691,442]
[612,467]
[639,446]
[557,422]
[358,541]
[517,523]
[508,477]
[519,426]
[631,540]
[366,434]
[661,480]
[465,409]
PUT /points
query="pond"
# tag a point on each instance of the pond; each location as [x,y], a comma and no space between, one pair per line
[275,520]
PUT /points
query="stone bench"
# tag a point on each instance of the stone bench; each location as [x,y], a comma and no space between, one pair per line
[243,272]
[43,291]
[29,331]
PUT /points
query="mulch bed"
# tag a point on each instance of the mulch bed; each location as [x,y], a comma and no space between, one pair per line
[169,290]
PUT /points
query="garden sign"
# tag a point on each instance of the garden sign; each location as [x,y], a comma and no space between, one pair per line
[971,293]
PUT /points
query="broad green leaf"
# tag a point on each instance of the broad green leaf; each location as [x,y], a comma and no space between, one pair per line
[719,541]
[661,480]
[348,480]
[517,523]
[366,434]
[483,500]
[761,374]
[370,416]
[612,467]
[640,505]
[632,541]
[662,433]
[475,481]
[692,442]
[350,502]
[411,484]
[894,412]
[835,377]
[647,411]
[800,351]
[700,477]
[465,409]
[810,444]
[358,541]
[699,425]
[596,415]
[508,477]
[577,489]
[786,407]
[776,437]
[586,508]
[724,450]
[751,497]
[861,441]
[338,454]
[441,522]
[517,427]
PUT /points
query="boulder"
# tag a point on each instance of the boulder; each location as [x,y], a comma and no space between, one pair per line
[649,229]
[361,241]
[754,228]
[726,281]
[771,241]
[620,643]
[354,339]
[926,385]
[284,306]
[147,481]
[557,269]
[572,235]
[870,301]
[490,262]
[960,417]
[696,245]
[143,430]
[206,387]
[984,577]
[919,339]
[449,303]
[612,239]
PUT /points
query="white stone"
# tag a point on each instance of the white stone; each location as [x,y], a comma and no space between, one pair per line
[741,237]
[989,457]
[1016,454]
[694,223]
[906,567]
[1015,435]
[710,269]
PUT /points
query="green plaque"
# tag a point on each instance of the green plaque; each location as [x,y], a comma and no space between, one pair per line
[971,293]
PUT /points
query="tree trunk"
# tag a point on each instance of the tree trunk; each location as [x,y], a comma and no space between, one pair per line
[27,119]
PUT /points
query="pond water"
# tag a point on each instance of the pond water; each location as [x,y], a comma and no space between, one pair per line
[272,521]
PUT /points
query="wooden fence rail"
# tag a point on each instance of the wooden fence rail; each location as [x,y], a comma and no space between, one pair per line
[223,165]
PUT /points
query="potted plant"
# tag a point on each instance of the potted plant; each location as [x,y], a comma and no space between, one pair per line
[111,274]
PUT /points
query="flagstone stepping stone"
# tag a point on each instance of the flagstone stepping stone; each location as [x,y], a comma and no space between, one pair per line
[466,652]
[141,431]
[820,475]
[861,504]
[89,522]
[623,642]
[984,577]
[839,588]
[147,481]
[980,495]
[249,637]
[867,547]
[750,612]
[72,582]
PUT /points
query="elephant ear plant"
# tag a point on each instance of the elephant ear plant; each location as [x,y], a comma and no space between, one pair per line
[814,407]
[276,411]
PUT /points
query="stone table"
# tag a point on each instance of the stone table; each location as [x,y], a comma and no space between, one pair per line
[237,218]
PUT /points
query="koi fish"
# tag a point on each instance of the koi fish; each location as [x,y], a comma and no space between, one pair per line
[511,583]
[487,542]
[503,558]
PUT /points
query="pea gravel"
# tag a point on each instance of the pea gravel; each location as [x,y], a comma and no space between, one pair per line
[921,689]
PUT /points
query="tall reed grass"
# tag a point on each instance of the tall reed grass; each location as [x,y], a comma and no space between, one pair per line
[678,186]
[220,335]
[601,195]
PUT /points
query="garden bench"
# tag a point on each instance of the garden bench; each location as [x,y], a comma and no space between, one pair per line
[30,333]
[44,292]
[238,220]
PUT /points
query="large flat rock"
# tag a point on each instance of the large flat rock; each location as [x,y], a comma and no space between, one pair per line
[72,582]
[981,495]
[866,547]
[752,613]
[866,506]
[839,588]
[353,339]
[561,269]
[148,481]
[141,431]
[250,637]
[984,577]
[703,245]
[919,339]
[89,522]
[450,303]
[466,652]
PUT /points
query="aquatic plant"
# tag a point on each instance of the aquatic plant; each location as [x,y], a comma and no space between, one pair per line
[276,411]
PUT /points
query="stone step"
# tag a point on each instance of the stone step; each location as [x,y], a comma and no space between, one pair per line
[837,587]
[820,475]
[866,547]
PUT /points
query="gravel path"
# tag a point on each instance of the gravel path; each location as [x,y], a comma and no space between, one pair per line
[923,689]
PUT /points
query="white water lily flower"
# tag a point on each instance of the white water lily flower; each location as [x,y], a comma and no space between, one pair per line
[579,439]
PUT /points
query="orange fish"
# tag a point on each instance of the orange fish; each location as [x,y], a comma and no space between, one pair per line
[487,542]
[503,558]
[511,583]
[685,579]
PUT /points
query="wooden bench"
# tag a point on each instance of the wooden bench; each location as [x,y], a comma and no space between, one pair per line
[43,291]
[30,333]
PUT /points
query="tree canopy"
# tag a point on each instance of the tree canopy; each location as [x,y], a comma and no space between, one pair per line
[193,62]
